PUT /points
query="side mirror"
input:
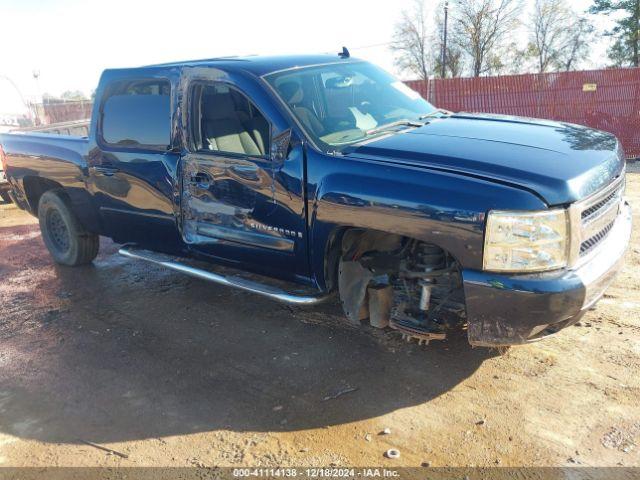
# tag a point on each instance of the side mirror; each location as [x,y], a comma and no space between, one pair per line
[280,146]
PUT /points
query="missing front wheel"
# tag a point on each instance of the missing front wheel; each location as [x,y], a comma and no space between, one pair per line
[413,287]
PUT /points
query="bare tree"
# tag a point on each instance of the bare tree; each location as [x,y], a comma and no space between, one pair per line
[481,27]
[549,20]
[578,45]
[559,36]
[454,62]
[509,59]
[412,42]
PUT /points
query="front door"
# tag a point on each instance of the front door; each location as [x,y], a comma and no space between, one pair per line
[239,203]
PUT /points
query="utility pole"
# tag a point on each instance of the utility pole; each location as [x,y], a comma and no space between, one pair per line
[444,41]
[36,77]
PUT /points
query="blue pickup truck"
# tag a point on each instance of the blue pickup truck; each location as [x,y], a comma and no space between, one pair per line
[323,174]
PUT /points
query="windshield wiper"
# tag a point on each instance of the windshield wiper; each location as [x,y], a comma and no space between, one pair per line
[439,111]
[398,123]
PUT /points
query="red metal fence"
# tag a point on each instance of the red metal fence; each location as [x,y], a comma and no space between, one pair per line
[604,99]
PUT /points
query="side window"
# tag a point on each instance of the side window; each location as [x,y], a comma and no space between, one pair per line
[228,122]
[138,115]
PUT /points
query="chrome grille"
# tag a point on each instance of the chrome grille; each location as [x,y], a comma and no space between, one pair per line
[591,243]
[595,217]
[594,209]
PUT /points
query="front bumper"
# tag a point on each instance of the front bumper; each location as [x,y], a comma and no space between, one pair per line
[516,309]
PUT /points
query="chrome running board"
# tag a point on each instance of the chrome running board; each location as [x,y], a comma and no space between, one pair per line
[268,291]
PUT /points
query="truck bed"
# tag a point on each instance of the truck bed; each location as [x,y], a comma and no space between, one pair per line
[31,157]
[27,149]
[76,128]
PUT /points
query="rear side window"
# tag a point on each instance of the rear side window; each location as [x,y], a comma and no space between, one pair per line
[138,115]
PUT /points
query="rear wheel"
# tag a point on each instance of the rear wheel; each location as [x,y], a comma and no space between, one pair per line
[5,197]
[67,242]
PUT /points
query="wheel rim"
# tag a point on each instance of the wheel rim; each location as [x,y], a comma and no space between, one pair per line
[58,231]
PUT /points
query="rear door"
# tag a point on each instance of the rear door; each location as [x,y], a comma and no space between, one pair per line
[239,202]
[132,166]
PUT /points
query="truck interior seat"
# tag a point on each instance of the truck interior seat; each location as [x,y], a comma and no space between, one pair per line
[253,121]
[294,95]
[222,129]
[339,101]
[258,128]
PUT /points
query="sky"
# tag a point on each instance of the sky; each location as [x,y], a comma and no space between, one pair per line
[70,42]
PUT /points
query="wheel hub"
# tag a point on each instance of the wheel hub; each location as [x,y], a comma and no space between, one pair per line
[58,230]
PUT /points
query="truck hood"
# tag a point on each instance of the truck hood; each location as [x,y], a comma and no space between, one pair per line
[559,162]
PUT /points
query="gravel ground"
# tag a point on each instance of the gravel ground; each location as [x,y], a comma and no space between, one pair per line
[172,371]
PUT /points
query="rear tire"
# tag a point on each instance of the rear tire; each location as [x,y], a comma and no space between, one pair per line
[5,197]
[67,242]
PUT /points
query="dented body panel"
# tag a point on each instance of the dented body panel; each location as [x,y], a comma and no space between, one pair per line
[285,214]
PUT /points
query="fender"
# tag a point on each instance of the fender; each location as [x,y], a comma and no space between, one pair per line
[442,208]
[57,160]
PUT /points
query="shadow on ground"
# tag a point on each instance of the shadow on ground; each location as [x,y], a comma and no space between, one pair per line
[120,350]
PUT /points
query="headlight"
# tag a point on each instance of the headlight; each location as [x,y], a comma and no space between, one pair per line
[526,241]
[623,157]
[620,151]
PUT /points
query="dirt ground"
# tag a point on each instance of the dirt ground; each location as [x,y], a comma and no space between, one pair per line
[173,371]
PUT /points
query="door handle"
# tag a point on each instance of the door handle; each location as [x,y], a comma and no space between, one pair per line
[106,171]
[200,180]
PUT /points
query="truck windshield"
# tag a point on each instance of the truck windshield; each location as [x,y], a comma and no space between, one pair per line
[341,104]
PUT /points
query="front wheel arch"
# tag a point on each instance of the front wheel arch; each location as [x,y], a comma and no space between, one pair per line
[389,271]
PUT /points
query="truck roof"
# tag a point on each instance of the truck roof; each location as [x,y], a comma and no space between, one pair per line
[260,65]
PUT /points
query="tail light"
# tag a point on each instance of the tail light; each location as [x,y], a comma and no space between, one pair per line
[3,160]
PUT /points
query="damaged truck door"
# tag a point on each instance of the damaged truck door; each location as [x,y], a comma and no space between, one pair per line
[241,200]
